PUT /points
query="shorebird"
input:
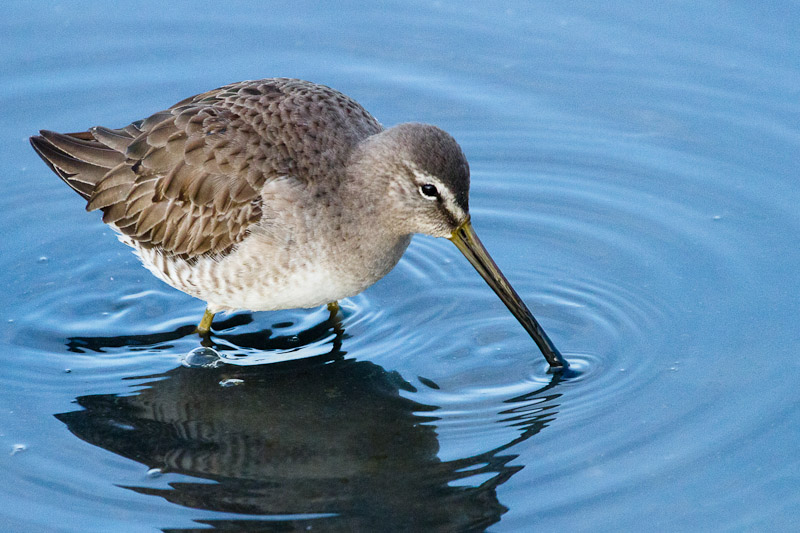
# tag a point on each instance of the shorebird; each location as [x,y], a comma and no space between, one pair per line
[276,194]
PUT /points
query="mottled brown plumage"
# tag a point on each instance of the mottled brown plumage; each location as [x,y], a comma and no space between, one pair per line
[188,179]
[274,194]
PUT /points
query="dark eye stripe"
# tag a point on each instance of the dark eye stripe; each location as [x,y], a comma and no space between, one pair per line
[429,190]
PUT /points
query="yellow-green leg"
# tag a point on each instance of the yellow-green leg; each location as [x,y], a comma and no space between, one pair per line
[205,324]
[333,308]
[335,320]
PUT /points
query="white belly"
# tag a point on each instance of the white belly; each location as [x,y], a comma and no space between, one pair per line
[247,280]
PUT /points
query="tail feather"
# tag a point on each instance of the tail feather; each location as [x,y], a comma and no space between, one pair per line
[88,150]
[119,140]
[77,158]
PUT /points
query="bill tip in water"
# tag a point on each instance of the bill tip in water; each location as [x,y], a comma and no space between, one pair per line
[555,360]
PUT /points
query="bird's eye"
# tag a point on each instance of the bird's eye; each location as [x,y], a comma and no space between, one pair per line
[429,191]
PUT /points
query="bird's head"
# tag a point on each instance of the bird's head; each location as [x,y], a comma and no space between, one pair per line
[420,178]
[423,178]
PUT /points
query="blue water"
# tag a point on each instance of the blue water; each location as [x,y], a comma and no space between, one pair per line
[634,173]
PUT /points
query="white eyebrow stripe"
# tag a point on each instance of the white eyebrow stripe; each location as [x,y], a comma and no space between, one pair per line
[444,192]
[423,176]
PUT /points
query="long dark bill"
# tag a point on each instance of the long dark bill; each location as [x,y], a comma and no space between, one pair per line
[467,241]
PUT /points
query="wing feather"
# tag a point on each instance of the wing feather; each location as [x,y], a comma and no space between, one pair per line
[187,180]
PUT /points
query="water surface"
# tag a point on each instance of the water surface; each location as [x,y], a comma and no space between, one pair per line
[634,173]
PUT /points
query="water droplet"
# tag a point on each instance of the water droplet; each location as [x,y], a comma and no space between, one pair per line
[42,259]
[622,369]
[231,382]
[67,370]
[202,357]
[17,448]
[154,472]
[294,338]
[717,217]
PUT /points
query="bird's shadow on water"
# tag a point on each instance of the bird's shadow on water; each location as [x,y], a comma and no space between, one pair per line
[324,441]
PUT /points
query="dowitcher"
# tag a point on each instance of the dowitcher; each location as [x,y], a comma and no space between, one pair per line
[276,194]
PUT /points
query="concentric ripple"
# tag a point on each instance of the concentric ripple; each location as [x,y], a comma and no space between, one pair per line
[634,176]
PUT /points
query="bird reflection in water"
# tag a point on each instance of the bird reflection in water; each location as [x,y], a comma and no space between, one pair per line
[332,438]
